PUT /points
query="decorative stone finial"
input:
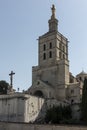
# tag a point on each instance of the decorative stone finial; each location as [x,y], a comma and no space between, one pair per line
[53,11]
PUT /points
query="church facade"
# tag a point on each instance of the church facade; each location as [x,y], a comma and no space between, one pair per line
[52,78]
[52,82]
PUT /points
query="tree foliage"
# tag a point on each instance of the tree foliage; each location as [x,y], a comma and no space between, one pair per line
[84,101]
[58,114]
[3,87]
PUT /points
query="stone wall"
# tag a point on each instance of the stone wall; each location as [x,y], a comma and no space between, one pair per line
[21,126]
[20,107]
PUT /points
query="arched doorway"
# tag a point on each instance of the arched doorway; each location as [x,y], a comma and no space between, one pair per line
[38,93]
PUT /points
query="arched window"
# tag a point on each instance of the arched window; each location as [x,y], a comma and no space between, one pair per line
[72,91]
[60,46]
[44,47]
[63,56]
[63,48]
[44,56]
[50,45]
[60,55]
[80,78]
[50,54]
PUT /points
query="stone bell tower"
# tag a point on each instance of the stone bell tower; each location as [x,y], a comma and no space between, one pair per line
[53,64]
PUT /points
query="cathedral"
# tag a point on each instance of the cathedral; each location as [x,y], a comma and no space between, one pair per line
[52,78]
[52,82]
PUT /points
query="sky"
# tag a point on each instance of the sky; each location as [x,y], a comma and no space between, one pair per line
[23,21]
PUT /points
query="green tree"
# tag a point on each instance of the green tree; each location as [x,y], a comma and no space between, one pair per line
[84,101]
[3,87]
[58,114]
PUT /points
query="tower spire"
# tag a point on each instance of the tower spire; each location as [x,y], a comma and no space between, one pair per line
[53,11]
[53,22]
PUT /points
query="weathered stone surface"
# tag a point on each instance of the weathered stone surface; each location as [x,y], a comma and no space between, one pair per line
[21,126]
[20,107]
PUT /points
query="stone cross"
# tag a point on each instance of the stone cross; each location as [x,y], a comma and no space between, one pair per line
[11,78]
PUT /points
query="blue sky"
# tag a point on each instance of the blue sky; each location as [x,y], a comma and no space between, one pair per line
[23,21]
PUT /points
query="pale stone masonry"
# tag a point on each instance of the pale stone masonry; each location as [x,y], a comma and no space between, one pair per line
[52,83]
[20,107]
[51,79]
[53,65]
